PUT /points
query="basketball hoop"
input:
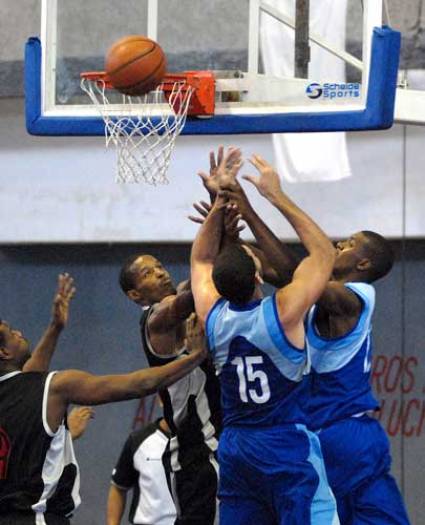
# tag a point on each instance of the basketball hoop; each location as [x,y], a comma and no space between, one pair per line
[144,128]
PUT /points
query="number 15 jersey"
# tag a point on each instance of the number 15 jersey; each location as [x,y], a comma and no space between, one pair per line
[261,372]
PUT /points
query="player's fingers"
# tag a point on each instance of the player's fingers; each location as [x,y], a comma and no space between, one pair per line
[259,159]
[206,205]
[220,154]
[198,220]
[68,284]
[252,179]
[203,176]
[213,164]
[200,209]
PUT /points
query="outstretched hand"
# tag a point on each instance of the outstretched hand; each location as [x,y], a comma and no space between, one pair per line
[223,170]
[268,183]
[64,293]
[210,181]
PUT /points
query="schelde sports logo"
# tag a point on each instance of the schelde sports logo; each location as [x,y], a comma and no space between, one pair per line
[331,91]
[314,90]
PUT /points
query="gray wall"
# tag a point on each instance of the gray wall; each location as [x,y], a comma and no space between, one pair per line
[102,337]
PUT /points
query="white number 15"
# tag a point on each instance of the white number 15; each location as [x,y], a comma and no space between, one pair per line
[246,364]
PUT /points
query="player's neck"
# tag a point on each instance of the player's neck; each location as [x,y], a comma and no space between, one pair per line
[348,277]
[8,369]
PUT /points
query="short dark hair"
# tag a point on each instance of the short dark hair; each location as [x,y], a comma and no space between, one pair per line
[127,273]
[234,274]
[380,253]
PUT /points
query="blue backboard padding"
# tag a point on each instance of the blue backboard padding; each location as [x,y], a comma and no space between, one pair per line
[378,114]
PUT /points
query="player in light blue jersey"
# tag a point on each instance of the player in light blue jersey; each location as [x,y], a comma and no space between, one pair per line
[271,467]
[354,445]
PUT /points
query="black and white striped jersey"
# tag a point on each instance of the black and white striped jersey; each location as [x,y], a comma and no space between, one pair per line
[38,469]
[192,407]
[141,467]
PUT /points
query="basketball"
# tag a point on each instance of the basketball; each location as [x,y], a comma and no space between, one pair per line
[135,65]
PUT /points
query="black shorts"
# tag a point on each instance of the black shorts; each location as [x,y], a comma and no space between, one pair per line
[195,493]
[28,518]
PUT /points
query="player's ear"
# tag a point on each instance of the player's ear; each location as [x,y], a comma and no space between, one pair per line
[5,354]
[134,295]
[363,265]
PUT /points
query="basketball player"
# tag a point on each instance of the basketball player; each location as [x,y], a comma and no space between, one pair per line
[141,468]
[39,477]
[271,469]
[354,445]
[192,405]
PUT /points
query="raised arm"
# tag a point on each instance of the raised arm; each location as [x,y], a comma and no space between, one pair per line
[312,274]
[43,352]
[206,245]
[205,248]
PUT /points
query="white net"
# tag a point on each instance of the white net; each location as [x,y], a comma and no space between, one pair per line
[145,135]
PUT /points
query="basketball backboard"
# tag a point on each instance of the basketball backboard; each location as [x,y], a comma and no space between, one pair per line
[249,44]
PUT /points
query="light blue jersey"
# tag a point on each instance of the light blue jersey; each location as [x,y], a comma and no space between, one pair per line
[260,371]
[341,366]
[271,466]
[354,445]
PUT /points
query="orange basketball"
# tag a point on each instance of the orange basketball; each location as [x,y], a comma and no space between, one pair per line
[135,65]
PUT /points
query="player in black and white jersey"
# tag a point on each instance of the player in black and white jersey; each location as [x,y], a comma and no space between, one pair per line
[39,480]
[192,405]
[141,468]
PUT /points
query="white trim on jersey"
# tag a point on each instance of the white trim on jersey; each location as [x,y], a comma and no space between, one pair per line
[39,519]
[9,375]
[46,425]
[59,455]
[208,429]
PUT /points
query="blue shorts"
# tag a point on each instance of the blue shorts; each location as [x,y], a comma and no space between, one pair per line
[357,458]
[273,476]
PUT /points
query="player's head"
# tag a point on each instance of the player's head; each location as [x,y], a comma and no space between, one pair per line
[365,256]
[14,348]
[236,273]
[144,280]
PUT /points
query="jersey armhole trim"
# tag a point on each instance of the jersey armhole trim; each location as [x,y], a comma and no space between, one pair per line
[210,323]
[46,426]
[366,312]
[299,351]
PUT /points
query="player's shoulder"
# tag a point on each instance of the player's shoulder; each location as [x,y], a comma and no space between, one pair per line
[365,291]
